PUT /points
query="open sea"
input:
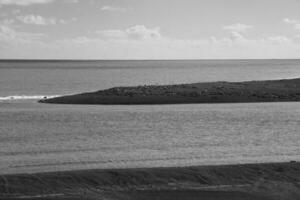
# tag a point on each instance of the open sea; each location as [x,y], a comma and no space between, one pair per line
[41,137]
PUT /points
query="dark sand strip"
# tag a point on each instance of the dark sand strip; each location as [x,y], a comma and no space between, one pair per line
[227,182]
[213,92]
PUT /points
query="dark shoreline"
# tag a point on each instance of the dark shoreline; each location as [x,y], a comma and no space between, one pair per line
[210,92]
[227,182]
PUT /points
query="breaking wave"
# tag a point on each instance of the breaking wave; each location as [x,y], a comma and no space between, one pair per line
[27,97]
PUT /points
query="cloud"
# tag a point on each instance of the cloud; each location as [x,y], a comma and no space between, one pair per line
[37,20]
[42,21]
[71,1]
[31,2]
[67,21]
[141,42]
[237,39]
[6,33]
[293,22]
[231,47]
[138,32]
[290,21]
[238,27]
[9,35]
[236,36]
[24,2]
[279,39]
[113,9]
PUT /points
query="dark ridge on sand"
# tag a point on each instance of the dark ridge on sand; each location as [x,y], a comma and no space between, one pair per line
[210,92]
[270,181]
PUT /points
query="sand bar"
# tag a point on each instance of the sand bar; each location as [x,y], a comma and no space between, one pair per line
[210,92]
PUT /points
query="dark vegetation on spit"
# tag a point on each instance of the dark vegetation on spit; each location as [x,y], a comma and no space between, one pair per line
[209,92]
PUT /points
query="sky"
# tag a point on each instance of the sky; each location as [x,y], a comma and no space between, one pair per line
[149,29]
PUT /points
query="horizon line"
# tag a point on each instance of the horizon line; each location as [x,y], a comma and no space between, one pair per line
[231,59]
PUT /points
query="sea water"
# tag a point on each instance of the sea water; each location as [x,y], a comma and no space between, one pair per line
[40,137]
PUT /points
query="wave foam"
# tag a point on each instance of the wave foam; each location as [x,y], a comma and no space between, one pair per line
[26,97]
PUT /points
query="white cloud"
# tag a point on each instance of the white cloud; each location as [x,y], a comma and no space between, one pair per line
[37,20]
[166,48]
[293,22]
[113,8]
[6,33]
[71,1]
[138,32]
[279,40]
[9,35]
[67,21]
[31,2]
[141,42]
[238,27]
[135,43]
[236,36]
[237,39]
[290,21]
[23,2]
[42,21]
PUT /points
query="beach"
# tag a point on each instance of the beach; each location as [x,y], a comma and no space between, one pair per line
[270,181]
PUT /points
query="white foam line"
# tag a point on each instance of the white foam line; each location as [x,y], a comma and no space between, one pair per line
[26,97]
[36,196]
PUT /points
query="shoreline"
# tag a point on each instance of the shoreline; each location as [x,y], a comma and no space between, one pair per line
[285,90]
[264,181]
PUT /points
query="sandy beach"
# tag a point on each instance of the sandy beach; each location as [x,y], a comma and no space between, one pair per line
[247,181]
[210,92]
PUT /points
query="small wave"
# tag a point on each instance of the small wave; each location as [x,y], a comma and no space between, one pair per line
[26,97]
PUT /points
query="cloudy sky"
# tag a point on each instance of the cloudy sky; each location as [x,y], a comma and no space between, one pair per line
[149,29]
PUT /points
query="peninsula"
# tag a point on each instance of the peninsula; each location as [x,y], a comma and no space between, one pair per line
[206,92]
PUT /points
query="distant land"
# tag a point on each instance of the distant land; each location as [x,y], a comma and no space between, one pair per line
[207,92]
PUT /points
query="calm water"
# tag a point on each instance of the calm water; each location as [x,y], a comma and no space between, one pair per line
[57,78]
[38,137]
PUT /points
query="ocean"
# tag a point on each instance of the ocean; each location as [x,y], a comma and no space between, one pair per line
[38,137]
[37,78]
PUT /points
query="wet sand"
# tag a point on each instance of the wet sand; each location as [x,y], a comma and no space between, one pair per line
[226,182]
[210,92]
